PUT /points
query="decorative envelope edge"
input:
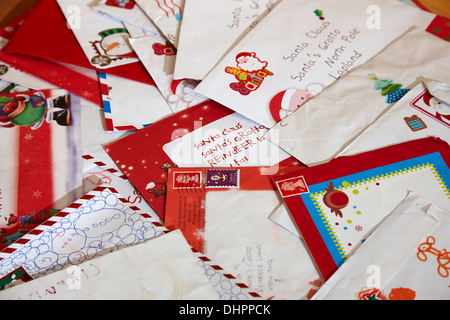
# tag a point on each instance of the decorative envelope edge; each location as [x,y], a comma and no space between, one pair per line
[66,211]
[76,204]
[341,167]
[104,166]
[107,111]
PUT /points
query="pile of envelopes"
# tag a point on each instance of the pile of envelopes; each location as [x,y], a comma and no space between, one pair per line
[244,150]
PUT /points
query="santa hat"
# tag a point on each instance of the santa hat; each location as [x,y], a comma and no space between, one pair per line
[244,54]
[427,98]
[281,102]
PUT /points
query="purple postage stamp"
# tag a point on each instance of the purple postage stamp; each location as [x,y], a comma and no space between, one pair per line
[222,178]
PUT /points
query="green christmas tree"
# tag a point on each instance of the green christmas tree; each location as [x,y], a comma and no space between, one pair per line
[393,91]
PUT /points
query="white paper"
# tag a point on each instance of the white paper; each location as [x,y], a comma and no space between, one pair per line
[409,119]
[230,141]
[299,49]
[160,64]
[389,259]
[94,135]
[162,268]
[131,105]
[104,41]
[240,238]
[319,130]
[209,30]
[166,15]
[127,13]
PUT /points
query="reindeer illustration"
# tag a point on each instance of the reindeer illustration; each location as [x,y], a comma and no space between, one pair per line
[442,256]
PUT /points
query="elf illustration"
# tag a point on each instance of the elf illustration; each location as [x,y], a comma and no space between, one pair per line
[32,109]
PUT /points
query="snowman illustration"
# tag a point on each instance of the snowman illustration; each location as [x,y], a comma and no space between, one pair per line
[287,101]
[114,45]
[33,109]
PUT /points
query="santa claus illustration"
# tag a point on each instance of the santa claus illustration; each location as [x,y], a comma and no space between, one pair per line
[441,108]
[287,101]
[249,62]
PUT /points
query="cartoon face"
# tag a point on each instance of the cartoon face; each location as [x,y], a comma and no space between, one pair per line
[250,63]
[286,102]
[116,44]
[298,98]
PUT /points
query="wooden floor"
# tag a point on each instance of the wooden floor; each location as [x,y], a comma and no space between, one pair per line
[10,9]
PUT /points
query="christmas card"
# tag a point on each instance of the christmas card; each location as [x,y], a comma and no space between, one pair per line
[202,44]
[161,269]
[104,41]
[304,58]
[158,56]
[338,204]
[406,258]
[417,115]
[145,156]
[166,15]
[129,104]
[223,213]
[41,158]
[128,12]
[57,42]
[322,128]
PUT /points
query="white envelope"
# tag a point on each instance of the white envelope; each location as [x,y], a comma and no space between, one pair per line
[417,115]
[320,129]
[229,141]
[209,30]
[405,258]
[241,239]
[162,268]
[300,48]
[166,15]
[94,135]
[127,12]
[158,57]
[129,104]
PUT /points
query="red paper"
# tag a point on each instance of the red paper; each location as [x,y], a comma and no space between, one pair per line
[187,188]
[55,41]
[49,71]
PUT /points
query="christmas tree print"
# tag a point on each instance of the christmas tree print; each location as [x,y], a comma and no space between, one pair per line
[393,91]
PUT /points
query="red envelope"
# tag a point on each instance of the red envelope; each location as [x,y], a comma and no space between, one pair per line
[142,159]
[55,41]
[336,205]
[49,71]
[187,189]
